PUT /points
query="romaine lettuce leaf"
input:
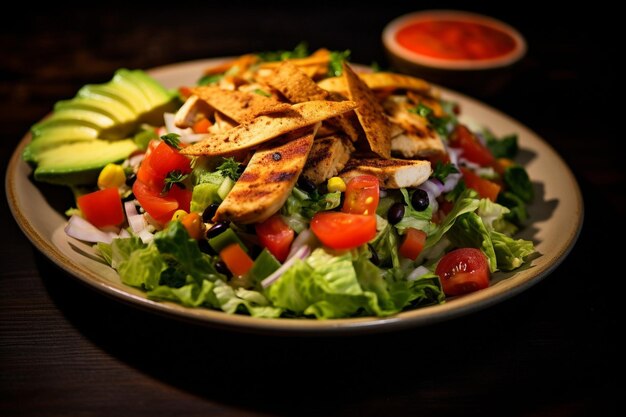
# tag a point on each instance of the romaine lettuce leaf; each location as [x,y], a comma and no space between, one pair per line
[142,268]
[416,219]
[232,300]
[190,295]
[510,253]
[466,203]
[493,216]
[469,231]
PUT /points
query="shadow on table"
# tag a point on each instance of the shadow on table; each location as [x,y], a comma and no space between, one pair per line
[492,360]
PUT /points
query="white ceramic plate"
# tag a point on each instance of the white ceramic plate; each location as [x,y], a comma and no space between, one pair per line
[556,216]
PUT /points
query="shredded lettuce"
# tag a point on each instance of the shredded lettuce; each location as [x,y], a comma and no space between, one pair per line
[510,253]
[469,231]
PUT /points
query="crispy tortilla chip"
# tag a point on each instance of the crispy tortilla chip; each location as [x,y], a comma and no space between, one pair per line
[238,105]
[264,128]
[321,57]
[379,81]
[267,180]
[242,63]
[295,84]
[370,113]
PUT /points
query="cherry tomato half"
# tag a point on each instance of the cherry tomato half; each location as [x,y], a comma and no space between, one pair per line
[343,230]
[161,207]
[462,271]
[362,195]
[276,236]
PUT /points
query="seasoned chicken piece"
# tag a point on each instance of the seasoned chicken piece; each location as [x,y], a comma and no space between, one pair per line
[267,180]
[294,84]
[391,173]
[328,156]
[417,139]
[187,115]
[264,128]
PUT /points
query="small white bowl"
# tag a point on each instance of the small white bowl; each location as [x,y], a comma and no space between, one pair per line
[449,71]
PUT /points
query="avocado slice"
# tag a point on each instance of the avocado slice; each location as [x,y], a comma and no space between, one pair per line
[107,106]
[79,163]
[55,136]
[107,91]
[127,86]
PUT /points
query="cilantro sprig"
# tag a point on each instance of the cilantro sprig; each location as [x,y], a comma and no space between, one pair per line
[442,171]
[172,139]
[175,177]
[230,168]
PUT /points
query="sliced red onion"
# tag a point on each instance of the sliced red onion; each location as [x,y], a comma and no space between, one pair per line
[81,229]
[137,223]
[418,272]
[432,185]
[306,237]
[123,234]
[130,209]
[451,181]
[301,253]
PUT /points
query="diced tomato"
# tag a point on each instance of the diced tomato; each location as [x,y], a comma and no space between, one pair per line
[202,126]
[484,187]
[102,208]
[362,195]
[473,150]
[185,92]
[413,243]
[343,230]
[164,159]
[462,271]
[276,236]
[161,207]
[236,259]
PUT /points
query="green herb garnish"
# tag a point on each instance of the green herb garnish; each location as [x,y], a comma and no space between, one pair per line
[172,139]
[335,66]
[442,171]
[230,168]
[174,177]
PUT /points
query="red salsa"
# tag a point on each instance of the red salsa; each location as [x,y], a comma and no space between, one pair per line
[455,40]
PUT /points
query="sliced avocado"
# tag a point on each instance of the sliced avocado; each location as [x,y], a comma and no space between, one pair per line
[97,91]
[132,92]
[66,130]
[152,89]
[54,136]
[107,106]
[94,119]
[80,162]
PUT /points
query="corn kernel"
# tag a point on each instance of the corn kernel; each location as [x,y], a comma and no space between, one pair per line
[112,175]
[336,184]
[178,215]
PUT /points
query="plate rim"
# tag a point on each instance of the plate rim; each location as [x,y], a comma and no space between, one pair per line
[236,322]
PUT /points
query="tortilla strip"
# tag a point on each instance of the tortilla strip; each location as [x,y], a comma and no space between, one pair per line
[379,81]
[370,113]
[238,105]
[264,128]
[267,180]
[243,63]
[321,57]
[295,84]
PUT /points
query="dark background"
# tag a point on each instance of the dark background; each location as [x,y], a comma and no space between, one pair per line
[550,351]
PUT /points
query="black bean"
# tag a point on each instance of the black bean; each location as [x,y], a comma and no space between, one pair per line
[209,212]
[306,185]
[374,259]
[130,180]
[216,229]
[420,200]
[395,213]
[222,269]
[204,246]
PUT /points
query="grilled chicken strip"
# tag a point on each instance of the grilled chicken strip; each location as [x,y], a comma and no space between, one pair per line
[264,128]
[267,181]
[379,81]
[391,173]
[328,156]
[417,139]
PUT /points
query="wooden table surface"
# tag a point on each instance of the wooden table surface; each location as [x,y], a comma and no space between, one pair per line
[68,350]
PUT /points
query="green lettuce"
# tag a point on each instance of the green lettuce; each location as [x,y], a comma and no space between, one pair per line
[493,216]
[510,253]
[465,203]
[412,218]
[469,231]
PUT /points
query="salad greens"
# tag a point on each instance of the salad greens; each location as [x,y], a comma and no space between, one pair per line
[193,258]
